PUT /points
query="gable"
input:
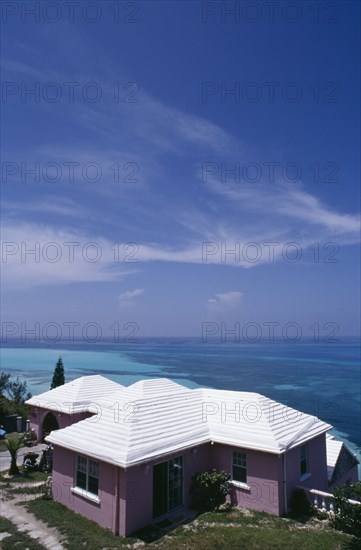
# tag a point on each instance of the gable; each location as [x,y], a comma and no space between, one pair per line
[345,462]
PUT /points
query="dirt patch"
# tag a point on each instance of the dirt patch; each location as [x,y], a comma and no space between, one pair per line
[49,537]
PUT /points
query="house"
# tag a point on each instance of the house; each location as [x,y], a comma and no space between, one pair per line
[67,404]
[124,456]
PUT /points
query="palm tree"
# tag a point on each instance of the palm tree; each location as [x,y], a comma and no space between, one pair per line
[13,446]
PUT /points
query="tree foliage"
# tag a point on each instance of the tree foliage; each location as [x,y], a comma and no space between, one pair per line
[8,408]
[17,393]
[209,489]
[348,516]
[13,445]
[58,376]
[4,382]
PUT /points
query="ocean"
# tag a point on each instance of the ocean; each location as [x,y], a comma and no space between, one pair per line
[322,379]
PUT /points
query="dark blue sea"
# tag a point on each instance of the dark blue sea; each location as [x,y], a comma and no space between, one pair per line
[322,379]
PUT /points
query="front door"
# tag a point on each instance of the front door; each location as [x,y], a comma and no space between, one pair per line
[167,486]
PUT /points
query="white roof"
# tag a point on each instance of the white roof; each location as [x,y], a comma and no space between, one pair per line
[75,396]
[333,449]
[258,421]
[157,416]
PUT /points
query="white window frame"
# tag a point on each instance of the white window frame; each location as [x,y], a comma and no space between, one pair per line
[85,492]
[243,458]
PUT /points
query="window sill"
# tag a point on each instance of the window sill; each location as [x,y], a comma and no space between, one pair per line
[240,485]
[85,494]
[305,476]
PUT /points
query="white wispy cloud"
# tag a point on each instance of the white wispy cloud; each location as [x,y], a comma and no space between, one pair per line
[279,202]
[62,206]
[212,212]
[37,255]
[302,205]
[127,298]
[225,301]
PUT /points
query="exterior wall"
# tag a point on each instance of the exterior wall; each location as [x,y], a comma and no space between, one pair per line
[137,498]
[139,485]
[265,475]
[351,476]
[104,512]
[262,478]
[346,469]
[37,415]
[132,488]
[197,461]
[317,468]
[126,496]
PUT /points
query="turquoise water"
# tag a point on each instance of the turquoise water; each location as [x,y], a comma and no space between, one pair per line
[37,365]
[321,379]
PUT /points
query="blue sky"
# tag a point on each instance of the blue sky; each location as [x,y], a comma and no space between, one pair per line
[133,131]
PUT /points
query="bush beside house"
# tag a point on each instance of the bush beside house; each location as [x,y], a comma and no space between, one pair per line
[209,489]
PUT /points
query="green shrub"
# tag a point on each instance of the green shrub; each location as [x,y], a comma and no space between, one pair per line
[348,516]
[209,489]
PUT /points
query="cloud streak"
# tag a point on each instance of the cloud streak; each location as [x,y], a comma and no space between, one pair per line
[171,213]
[225,301]
[127,298]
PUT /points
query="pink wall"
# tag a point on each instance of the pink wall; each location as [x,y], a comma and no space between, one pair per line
[265,475]
[126,496]
[137,491]
[134,487]
[139,506]
[104,513]
[37,415]
[262,478]
[317,463]
[138,498]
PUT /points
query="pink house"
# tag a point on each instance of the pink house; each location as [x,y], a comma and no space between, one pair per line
[124,456]
[67,404]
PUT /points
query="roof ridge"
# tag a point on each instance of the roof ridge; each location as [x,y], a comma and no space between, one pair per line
[150,419]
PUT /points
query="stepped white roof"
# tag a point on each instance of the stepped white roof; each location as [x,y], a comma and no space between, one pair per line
[155,417]
[75,396]
[333,449]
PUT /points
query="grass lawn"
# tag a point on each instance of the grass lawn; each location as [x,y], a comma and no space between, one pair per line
[256,537]
[25,476]
[261,532]
[17,538]
[210,531]
[79,531]
[12,435]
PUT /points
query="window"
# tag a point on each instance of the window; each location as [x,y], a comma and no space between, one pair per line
[303,460]
[87,474]
[239,467]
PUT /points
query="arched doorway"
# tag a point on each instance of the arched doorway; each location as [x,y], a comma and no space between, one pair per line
[50,423]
